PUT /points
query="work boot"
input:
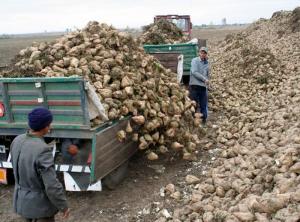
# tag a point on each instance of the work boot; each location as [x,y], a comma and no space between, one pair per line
[204,122]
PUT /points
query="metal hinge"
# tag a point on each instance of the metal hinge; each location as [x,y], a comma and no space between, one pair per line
[2,149]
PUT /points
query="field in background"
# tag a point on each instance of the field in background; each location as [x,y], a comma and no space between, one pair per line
[10,47]
[216,34]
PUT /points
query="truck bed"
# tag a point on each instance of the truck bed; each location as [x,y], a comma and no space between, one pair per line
[67,100]
[188,50]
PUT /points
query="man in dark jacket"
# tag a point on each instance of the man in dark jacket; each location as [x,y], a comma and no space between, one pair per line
[199,80]
[38,194]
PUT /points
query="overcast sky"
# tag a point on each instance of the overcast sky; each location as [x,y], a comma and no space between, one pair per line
[29,16]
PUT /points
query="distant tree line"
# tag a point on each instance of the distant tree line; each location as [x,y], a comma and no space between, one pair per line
[5,36]
[203,26]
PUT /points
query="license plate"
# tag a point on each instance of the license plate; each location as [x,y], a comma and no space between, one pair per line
[3,178]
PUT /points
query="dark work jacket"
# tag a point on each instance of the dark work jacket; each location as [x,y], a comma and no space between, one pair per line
[38,193]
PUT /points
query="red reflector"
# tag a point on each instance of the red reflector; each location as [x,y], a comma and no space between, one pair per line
[3,178]
[2,110]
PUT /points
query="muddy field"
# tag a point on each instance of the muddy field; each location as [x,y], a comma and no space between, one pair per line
[134,198]
[216,34]
[139,195]
[10,47]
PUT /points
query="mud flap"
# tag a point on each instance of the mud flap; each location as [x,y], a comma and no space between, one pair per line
[113,179]
[80,182]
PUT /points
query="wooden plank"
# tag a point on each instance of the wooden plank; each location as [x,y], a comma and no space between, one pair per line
[54,112]
[24,102]
[64,103]
[23,93]
[62,86]
[62,92]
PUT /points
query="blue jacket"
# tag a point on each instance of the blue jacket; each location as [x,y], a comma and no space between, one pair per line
[199,72]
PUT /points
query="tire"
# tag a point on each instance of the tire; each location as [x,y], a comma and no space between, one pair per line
[113,179]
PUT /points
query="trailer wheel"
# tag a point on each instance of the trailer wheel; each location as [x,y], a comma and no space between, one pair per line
[116,177]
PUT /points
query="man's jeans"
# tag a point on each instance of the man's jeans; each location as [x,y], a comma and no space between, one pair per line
[200,95]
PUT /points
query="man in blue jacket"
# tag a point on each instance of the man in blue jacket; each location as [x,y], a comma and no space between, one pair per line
[199,81]
[38,194]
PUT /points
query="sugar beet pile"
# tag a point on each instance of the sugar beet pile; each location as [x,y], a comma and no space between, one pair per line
[162,32]
[127,81]
[256,81]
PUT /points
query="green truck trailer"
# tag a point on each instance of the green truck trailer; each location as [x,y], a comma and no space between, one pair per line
[101,157]
[188,50]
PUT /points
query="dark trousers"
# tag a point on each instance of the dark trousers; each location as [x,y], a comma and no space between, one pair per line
[45,219]
[200,96]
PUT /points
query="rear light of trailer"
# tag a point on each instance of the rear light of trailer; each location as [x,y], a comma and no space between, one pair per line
[3,178]
[2,110]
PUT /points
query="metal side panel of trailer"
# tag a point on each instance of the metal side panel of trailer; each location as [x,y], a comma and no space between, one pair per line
[188,50]
[108,153]
[64,97]
[67,100]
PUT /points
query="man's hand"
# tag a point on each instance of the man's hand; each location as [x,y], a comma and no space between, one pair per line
[66,213]
[207,82]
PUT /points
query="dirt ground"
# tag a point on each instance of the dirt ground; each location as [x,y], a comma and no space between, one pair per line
[10,47]
[216,34]
[140,191]
[135,197]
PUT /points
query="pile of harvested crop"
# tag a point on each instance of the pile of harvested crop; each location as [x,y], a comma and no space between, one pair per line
[256,80]
[127,81]
[162,32]
[295,22]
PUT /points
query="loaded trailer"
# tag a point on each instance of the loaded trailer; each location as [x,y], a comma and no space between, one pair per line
[101,156]
[164,52]
[184,23]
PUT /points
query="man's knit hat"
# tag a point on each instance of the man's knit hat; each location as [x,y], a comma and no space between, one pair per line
[39,118]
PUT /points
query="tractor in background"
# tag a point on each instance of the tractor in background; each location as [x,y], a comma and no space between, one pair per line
[167,54]
[181,21]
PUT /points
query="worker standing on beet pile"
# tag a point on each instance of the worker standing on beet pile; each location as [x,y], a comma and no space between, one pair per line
[199,81]
[38,195]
